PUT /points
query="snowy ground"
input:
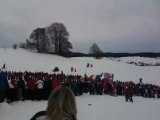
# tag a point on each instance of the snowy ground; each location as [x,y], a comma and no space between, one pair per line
[21,60]
[103,107]
[138,59]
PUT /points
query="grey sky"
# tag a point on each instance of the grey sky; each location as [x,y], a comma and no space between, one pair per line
[115,25]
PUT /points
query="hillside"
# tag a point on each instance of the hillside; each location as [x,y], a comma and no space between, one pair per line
[22,60]
[101,107]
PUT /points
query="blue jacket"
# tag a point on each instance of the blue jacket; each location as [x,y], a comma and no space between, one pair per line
[98,77]
[3,81]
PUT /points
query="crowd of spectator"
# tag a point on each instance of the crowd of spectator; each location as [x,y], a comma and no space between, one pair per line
[15,86]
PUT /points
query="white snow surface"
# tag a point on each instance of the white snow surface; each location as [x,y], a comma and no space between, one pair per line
[102,107]
[138,59]
[22,60]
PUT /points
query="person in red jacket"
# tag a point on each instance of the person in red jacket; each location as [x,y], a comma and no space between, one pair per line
[55,83]
[31,83]
[105,85]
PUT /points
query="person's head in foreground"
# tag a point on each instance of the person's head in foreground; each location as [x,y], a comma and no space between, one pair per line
[61,105]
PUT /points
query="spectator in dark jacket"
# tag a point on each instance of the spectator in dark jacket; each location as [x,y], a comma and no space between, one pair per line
[3,86]
[128,93]
[21,89]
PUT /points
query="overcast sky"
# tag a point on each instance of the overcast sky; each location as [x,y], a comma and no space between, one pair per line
[115,25]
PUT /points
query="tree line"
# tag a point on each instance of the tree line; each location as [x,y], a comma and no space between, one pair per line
[51,39]
[54,39]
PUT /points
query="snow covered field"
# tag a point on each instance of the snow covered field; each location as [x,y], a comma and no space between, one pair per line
[22,60]
[103,107]
[138,59]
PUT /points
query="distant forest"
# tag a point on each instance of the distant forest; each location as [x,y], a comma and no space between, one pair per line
[109,54]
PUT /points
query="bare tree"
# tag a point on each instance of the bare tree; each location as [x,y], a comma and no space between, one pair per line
[23,45]
[44,44]
[66,45]
[44,39]
[35,38]
[30,44]
[94,49]
[59,37]
[39,40]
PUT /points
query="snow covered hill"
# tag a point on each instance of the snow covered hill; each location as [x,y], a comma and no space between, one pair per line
[102,107]
[22,60]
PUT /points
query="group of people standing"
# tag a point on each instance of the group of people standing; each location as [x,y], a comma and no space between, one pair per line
[16,86]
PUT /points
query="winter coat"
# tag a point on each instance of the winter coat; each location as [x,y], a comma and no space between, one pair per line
[55,84]
[42,116]
[40,84]
[3,82]
[39,116]
[14,83]
[128,91]
[47,84]
[31,84]
[21,84]
[105,81]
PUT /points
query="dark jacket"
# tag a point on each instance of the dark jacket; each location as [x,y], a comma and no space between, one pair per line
[39,116]
[128,91]
[42,116]
[3,82]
